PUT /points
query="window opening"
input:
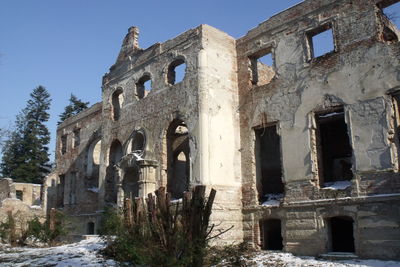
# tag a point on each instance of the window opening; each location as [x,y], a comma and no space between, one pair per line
[72,188]
[117,101]
[112,178]
[333,142]
[178,160]
[137,142]
[19,194]
[321,41]
[60,191]
[92,164]
[96,153]
[341,235]
[391,20]
[391,9]
[130,183]
[269,163]
[261,65]
[143,86]
[90,228]
[271,234]
[77,137]
[176,71]
[63,144]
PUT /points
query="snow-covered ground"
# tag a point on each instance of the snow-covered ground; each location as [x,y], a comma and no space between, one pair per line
[84,253]
[289,260]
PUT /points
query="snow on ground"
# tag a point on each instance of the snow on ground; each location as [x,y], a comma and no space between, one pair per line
[281,259]
[84,253]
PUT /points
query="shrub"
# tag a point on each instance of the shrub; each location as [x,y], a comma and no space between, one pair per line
[160,233]
[54,227]
[47,232]
[8,230]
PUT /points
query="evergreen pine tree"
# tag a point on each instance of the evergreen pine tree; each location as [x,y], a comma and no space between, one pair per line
[74,107]
[12,148]
[25,153]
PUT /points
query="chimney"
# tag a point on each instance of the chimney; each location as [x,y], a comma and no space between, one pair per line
[130,44]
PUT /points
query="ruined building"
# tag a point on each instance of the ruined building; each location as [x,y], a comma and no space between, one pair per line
[22,200]
[303,149]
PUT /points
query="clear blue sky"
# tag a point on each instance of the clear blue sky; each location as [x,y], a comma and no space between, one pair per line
[67,45]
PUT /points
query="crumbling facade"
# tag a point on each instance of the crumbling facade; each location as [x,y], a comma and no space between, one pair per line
[302,149]
[21,200]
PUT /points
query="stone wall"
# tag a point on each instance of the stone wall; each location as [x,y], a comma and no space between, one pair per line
[7,189]
[30,193]
[356,76]
[22,210]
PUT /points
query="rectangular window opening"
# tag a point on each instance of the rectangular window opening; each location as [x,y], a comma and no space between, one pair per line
[77,137]
[334,149]
[321,41]
[269,164]
[72,188]
[63,144]
[60,191]
[19,194]
[262,67]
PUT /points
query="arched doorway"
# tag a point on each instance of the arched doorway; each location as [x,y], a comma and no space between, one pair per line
[178,159]
[111,190]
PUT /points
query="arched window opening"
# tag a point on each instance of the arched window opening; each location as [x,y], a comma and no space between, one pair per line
[143,86]
[96,153]
[176,71]
[271,234]
[93,164]
[117,101]
[115,153]
[178,159]
[390,21]
[112,178]
[341,237]
[137,142]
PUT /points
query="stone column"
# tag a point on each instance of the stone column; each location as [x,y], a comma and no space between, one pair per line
[147,176]
[119,172]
